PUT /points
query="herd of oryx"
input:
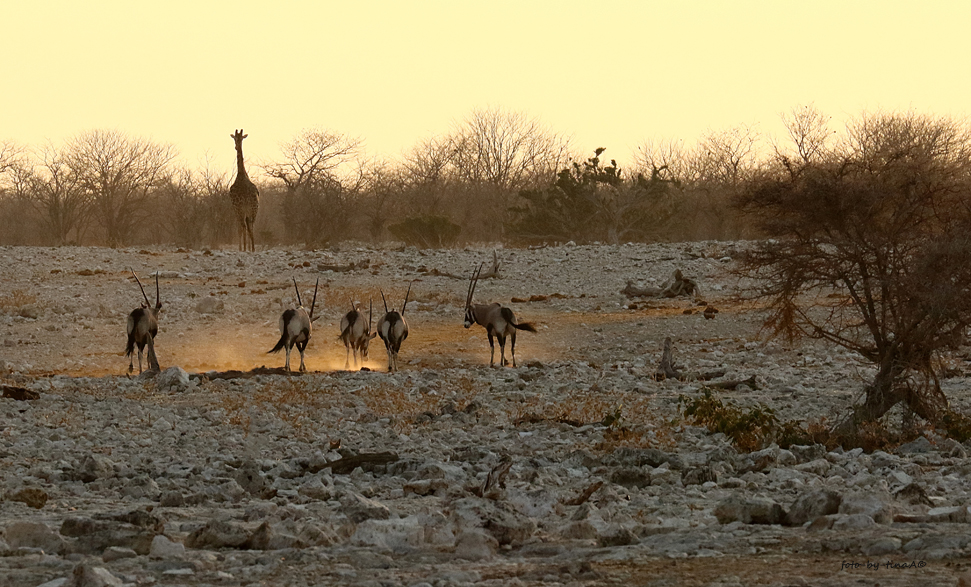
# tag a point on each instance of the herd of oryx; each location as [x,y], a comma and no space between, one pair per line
[296,327]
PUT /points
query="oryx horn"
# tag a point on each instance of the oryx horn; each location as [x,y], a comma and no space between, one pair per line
[314,301]
[299,301]
[406,300]
[147,303]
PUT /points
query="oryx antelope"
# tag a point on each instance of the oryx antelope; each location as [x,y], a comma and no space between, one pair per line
[499,322]
[142,327]
[393,330]
[295,327]
[356,334]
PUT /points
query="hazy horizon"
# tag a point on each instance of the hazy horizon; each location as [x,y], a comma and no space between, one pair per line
[614,75]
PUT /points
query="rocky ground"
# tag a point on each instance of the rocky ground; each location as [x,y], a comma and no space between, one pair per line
[574,468]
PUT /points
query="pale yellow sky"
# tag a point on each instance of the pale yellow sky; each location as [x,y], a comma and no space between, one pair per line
[611,74]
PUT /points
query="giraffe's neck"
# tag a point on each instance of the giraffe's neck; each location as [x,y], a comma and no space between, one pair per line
[240,168]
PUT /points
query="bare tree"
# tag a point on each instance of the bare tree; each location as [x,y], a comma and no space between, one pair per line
[669,159]
[214,192]
[382,197]
[61,202]
[15,176]
[507,149]
[809,131]
[726,158]
[11,154]
[119,174]
[181,215]
[321,171]
[871,252]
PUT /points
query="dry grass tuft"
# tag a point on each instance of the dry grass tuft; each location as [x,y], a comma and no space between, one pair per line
[630,418]
[16,302]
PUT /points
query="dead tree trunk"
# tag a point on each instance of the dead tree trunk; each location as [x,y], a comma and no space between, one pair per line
[890,388]
[678,285]
[491,272]
[667,370]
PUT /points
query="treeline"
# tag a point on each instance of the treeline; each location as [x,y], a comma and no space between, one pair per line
[498,176]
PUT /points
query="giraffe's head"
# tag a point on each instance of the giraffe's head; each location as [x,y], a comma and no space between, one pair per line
[238,136]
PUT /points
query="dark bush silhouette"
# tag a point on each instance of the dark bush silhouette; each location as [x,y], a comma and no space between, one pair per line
[591,202]
[426,232]
[871,251]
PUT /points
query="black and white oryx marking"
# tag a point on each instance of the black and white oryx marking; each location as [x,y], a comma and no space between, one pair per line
[393,330]
[499,322]
[296,327]
[356,334]
[142,327]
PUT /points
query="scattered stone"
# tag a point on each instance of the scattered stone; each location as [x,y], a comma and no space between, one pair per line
[878,507]
[26,534]
[113,553]
[359,508]
[164,548]
[95,535]
[172,499]
[476,545]
[85,575]
[94,467]
[210,305]
[852,522]
[812,504]
[218,534]
[397,535]
[882,546]
[699,476]
[250,478]
[749,510]
[919,446]
[171,380]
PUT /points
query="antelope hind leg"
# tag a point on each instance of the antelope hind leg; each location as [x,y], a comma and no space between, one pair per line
[152,357]
[492,350]
[512,347]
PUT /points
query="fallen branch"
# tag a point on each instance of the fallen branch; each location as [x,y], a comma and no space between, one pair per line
[343,268]
[733,383]
[706,376]
[585,495]
[236,374]
[19,393]
[492,272]
[345,465]
[536,419]
[679,285]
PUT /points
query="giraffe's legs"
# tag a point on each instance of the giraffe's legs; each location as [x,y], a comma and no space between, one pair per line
[242,234]
[249,230]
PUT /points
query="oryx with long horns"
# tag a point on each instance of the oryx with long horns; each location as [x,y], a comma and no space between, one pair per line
[393,330]
[499,322]
[142,327]
[356,334]
[296,326]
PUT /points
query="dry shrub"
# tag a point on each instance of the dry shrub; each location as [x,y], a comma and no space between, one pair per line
[293,401]
[17,303]
[340,298]
[955,425]
[386,400]
[630,418]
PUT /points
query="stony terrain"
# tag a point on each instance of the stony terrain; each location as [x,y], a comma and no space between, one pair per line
[448,472]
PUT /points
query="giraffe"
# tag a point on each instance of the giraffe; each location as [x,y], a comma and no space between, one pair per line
[245,197]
